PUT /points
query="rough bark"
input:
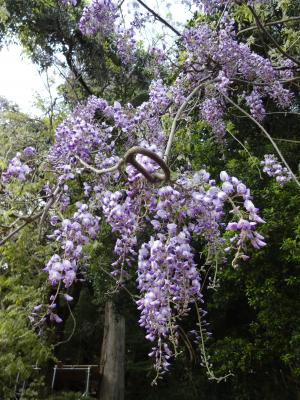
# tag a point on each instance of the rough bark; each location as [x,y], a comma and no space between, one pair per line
[112,355]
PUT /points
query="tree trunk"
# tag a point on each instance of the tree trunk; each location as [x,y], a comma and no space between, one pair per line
[112,355]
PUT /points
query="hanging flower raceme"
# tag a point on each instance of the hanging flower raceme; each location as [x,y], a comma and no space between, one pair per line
[16,170]
[99,16]
[220,53]
[72,236]
[273,168]
[169,283]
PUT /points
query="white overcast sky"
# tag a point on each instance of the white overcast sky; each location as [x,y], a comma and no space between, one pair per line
[20,80]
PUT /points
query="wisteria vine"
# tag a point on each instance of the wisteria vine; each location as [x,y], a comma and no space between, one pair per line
[129,182]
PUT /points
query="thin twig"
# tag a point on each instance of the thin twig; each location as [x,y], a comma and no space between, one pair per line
[287,140]
[265,133]
[73,330]
[222,15]
[247,151]
[283,112]
[31,218]
[101,171]
[49,203]
[278,22]
[159,18]
[290,80]
[11,234]
[263,29]
[178,115]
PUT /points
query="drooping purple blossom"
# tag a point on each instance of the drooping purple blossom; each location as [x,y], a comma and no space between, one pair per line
[72,235]
[273,168]
[254,101]
[169,282]
[29,152]
[16,170]
[99,16]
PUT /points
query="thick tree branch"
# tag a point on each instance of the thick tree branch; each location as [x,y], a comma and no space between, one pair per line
[153,178]
[129,158]
[78,76]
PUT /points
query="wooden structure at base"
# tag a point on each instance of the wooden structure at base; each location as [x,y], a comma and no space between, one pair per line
[75,378]
[78,378]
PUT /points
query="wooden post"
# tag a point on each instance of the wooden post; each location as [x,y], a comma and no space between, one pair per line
[112,360]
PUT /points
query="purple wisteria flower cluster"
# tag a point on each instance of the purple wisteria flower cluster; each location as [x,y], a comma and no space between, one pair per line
[72,235]
[246,224]
[29,152]
[168,278]
[273,168]
[214,5]
[99,16]
[158,223]
[16,170]
[228,60]
[169,282]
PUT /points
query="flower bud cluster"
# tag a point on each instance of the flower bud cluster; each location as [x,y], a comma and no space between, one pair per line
[99,16]
[212,113]
[72,235]
[126,45]
[247,218]
[123,218]
[255,103]
[273,168]
[29,152]
[228,60]
[16,170]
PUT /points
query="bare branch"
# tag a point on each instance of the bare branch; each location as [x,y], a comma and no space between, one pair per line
[246,150]
[278,22]
[287,140]
[73,329]
[15,231]
[50,203]
[263,29]
[159,18]
[101,171]
[178,115]
[31,218]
